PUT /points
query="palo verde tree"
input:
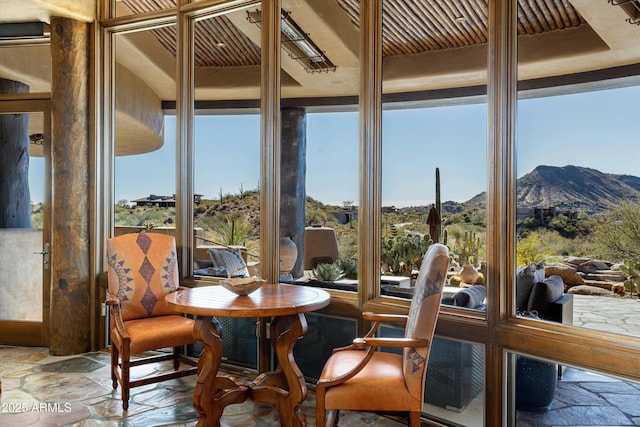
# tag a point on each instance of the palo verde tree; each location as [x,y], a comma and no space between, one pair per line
[617,236]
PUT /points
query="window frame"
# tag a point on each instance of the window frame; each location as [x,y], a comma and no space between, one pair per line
[500,331]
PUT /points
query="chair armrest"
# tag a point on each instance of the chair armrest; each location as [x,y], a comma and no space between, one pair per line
[329,382]
[377,319]
[361,343]
[113,302]
[369,340]
[367,315]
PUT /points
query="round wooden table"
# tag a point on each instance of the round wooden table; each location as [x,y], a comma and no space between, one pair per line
[285,387]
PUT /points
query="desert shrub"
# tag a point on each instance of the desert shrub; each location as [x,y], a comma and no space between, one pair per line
[617,236]
[230,230]
[316,216]
[530,250]
[347,237]
[37,215]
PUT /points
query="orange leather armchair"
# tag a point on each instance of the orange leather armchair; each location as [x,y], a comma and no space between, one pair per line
[143,269]
[360,378]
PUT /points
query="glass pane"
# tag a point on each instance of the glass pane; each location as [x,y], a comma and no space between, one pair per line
[578,188]
[324,334]
[21,243]
[319,142]
[577,396]
[30,65]
[145,147]
[454,389]
[239,343]
[434,144]
[331,233]
[36,169]
[227,145]
[135,7]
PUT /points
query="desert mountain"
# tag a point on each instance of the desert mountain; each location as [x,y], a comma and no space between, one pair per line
[570,188]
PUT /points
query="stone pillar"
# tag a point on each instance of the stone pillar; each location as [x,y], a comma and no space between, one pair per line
[15,199]
[70,284]
[292,180]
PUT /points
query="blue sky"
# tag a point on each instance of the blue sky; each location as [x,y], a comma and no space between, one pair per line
[596,129]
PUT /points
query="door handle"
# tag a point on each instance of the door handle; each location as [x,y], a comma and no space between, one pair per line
[45,253]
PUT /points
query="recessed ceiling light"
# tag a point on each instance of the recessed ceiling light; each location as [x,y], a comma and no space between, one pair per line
[460,19]
[220,44]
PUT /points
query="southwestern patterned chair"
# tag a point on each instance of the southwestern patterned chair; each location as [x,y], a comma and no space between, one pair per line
[142,270]
[360,378]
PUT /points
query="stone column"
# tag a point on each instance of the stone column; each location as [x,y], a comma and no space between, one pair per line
[292,180]
[70,284]
[15,199]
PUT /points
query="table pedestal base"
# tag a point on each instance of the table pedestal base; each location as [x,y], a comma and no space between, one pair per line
[285,387]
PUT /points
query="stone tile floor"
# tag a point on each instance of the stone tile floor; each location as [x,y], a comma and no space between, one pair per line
[587,399]
[42,390]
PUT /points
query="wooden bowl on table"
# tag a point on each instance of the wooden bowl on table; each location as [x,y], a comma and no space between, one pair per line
[243,285]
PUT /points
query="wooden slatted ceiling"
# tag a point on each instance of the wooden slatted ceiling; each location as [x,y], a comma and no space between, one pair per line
[238,49]
[144,6]
[415,26]
[409,27]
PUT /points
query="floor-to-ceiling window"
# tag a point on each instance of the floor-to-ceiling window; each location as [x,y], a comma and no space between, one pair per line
[415,139]
[434,178]
[319,163]
[575,198]
[225,61]
[144,138]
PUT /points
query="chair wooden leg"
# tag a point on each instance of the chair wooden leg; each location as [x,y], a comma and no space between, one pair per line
[320,411]
[414,418]
[324,418]
[125,371]
[177,351]
[114,366]
[332,418]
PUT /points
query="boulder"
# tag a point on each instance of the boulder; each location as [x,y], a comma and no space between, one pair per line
[604,284]
[577,261]
[595,264]
[604,275]
[588,290]
[569,273]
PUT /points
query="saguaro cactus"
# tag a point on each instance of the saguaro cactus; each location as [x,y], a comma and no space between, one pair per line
[438,204]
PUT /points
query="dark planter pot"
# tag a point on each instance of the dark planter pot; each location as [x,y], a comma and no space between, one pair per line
[535,384]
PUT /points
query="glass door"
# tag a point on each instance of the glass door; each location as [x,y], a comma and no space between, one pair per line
[25,223]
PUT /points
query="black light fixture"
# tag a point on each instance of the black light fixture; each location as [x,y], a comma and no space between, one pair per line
[631,8]
[298,44]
